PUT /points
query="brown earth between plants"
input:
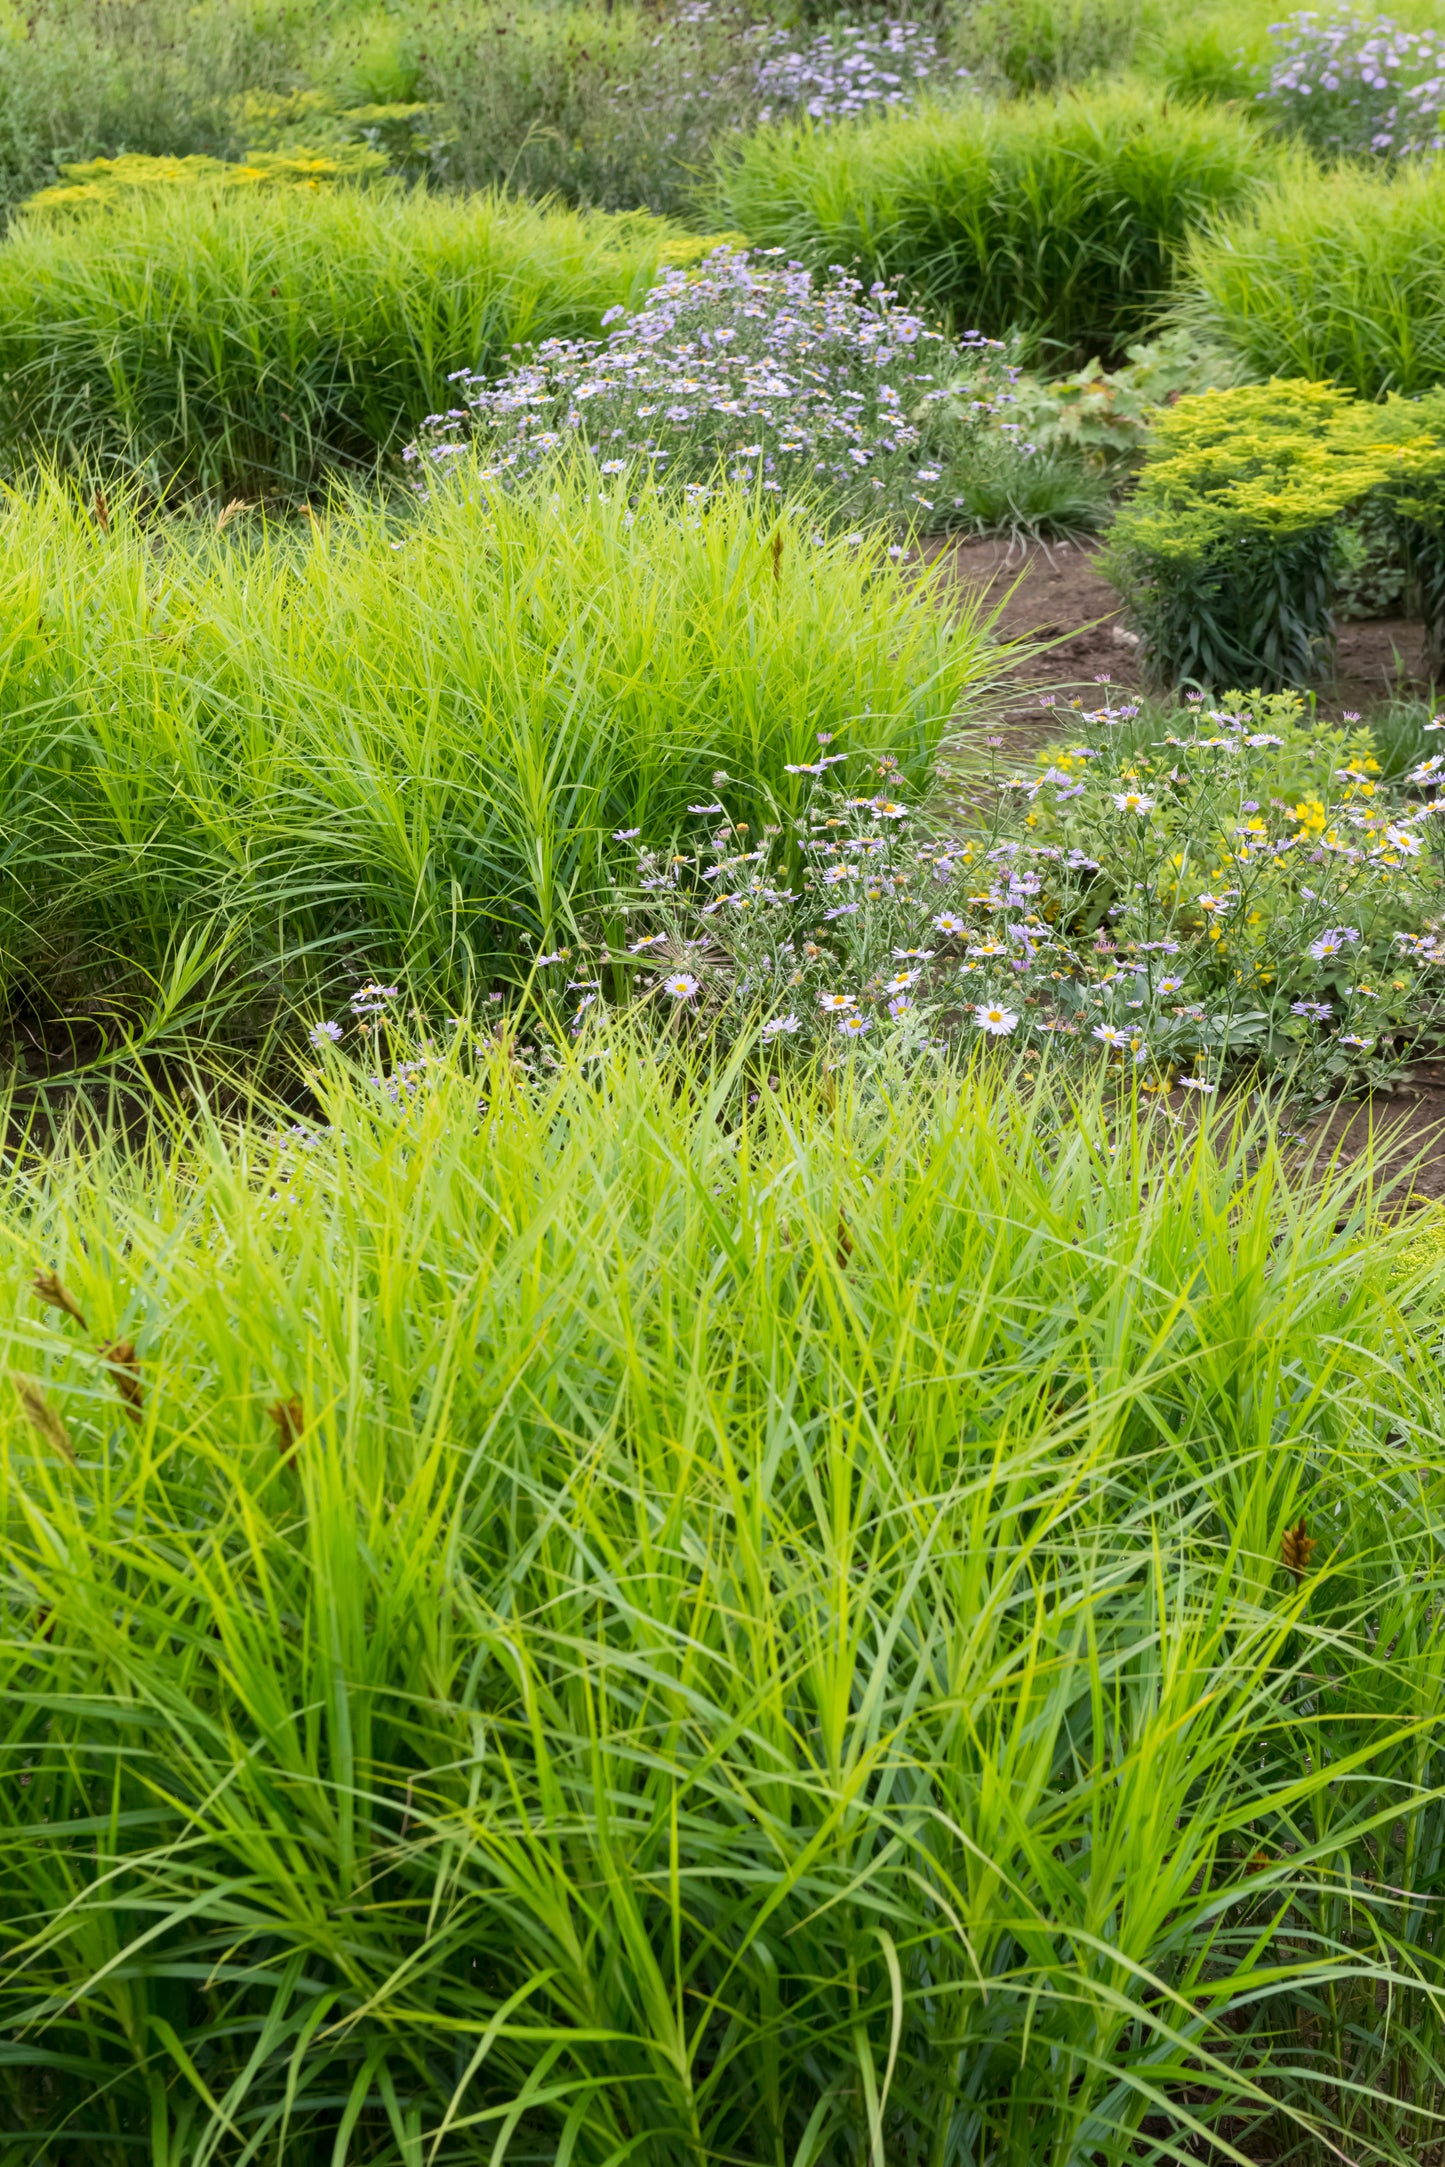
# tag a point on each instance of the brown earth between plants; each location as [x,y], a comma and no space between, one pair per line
[1053,597]
[1402,1128]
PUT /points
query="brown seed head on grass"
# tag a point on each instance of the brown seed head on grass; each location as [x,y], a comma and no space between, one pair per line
[121,1360]
[1295,1550]
[43,1419]
[290,1421]
[51,1288]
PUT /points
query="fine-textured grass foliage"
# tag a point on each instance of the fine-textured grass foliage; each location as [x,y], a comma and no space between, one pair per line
[1029,45]
[612,1628]
[241,342]
[408,738]
[593,102]
[1329,275]
[82,78]
[1060,218]
[1401,733]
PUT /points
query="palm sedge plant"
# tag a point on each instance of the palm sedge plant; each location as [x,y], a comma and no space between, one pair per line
[583,1619]
[240,340]
[414,731]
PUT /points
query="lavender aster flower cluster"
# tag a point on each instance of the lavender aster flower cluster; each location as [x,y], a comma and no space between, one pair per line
[1263,857]
[1072,909]
[817,930]
[742,368]
[1353,84]
[848,70]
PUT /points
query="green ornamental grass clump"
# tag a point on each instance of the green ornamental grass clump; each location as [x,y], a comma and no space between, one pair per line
[410,735]
[241,338]
[1060,218]
[1226,553]
[1329,275]
[572,1619]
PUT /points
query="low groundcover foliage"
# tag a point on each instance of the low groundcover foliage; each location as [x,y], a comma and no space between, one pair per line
[1211,885]
[1184,892]
[1188,893]
[570,1620]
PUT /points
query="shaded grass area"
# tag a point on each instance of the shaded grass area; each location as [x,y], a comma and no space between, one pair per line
[583,1621]
[409,735]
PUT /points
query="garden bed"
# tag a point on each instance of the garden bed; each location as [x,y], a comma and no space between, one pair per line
[721,1309]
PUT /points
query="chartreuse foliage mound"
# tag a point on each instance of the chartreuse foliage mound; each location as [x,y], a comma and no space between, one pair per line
[1060,218]
[1230,553]
[93,185]
[1226,552]
[411,735]
[575,1620]
[242,338]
